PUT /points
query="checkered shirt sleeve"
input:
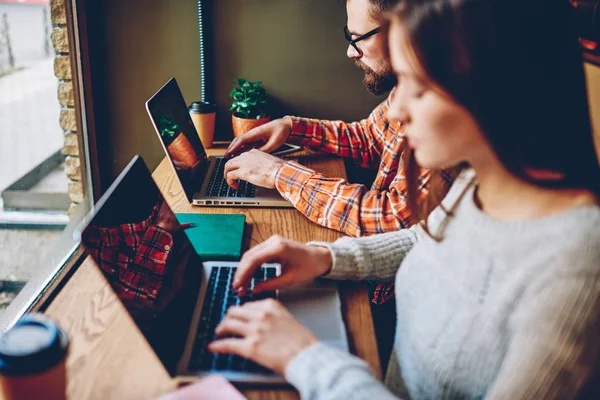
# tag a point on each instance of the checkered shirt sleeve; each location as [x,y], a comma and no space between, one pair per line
[132,257]
[352,209]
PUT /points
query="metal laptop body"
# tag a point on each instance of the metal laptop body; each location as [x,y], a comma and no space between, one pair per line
[167,109]
[165,292]
[317,306]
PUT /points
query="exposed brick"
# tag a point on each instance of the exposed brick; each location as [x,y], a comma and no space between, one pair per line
[72,209]
[58,12]
[76,191]
[73,168]
[67,119]
[62,67]
[65,94]
[60,40]
[62,70]
[71,147]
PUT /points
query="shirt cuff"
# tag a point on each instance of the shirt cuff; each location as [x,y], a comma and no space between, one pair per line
[343,258]
[311,370]
[290,180]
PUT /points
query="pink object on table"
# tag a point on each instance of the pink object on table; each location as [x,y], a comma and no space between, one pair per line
[213,387]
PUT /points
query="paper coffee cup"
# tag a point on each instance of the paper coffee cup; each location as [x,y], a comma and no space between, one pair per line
[203,116]
[32,360]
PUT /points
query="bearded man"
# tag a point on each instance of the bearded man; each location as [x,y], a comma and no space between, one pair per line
[374,142]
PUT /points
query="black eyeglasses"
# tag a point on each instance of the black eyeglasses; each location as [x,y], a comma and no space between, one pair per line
[352,42]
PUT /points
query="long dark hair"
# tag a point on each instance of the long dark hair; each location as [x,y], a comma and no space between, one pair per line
[517,67]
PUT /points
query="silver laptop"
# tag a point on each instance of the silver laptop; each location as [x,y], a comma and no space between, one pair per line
[201,177]
[177,301]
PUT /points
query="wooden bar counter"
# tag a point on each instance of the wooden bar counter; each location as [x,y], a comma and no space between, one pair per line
[109,357]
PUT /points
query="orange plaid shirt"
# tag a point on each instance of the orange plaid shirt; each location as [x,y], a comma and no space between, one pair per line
[334,203]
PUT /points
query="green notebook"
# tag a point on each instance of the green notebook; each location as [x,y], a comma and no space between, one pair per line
[216,237]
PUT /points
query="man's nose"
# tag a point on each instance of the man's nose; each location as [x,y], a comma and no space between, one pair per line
[352,53]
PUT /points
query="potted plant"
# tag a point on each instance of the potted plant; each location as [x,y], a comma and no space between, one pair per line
[179,147]
[249,101]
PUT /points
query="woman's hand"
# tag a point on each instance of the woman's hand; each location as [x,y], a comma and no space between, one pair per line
[269,334]
[299,264]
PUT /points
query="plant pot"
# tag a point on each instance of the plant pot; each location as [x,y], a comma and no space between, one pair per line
[243,125]
[182,151]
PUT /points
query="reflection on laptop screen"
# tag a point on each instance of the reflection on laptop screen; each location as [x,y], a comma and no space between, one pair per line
[139,246]
[179,138]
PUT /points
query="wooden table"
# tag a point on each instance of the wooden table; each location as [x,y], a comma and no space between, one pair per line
[109,357]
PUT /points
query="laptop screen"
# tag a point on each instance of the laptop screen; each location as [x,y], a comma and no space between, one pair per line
[145,255]
[178,135]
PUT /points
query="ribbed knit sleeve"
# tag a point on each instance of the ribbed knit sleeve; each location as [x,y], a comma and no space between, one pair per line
[322,372]
[372,257]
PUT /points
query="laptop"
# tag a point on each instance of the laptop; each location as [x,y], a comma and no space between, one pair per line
[201,177]
[175,299]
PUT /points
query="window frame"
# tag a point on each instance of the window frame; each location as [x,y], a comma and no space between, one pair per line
[67,254]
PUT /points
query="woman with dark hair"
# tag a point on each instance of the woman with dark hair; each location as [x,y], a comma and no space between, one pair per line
[498,289]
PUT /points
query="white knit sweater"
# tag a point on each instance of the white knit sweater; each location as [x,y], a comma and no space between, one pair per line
[496,310]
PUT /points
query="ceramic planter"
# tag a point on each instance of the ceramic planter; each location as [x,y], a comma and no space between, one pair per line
[243,125]
[182,151]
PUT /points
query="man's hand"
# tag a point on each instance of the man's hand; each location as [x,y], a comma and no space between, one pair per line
[255,167]
[267,137]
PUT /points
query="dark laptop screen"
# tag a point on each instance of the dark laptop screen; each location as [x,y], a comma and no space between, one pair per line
[179,138]
[141,249]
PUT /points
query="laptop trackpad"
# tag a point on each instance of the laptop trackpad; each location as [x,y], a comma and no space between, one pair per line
[318,307]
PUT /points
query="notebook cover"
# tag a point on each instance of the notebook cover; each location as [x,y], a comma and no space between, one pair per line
[216,237]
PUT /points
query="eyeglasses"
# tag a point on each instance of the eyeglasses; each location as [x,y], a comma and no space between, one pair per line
[352,42]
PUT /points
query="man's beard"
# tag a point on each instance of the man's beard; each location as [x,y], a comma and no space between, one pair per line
[377,83]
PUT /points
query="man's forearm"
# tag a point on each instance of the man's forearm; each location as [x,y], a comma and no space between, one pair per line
[350,140]
[336,204]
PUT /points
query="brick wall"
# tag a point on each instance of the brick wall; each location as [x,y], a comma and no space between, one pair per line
[62,71]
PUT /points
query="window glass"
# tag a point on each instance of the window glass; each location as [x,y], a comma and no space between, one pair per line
[34,185]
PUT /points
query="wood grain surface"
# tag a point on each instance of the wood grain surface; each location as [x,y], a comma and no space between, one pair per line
[110,359]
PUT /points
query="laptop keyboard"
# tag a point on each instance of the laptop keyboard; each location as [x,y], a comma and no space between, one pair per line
[219,297]
[218,187]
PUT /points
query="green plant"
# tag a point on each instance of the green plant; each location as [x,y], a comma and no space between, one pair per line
[249,99]
[168,129]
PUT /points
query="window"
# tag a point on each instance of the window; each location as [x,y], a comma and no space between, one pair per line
[41,185]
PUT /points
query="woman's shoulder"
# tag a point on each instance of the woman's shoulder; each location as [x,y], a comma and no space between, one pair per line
[565,249]
[578,230]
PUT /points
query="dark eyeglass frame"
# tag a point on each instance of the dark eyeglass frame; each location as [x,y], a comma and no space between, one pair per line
[352,42]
